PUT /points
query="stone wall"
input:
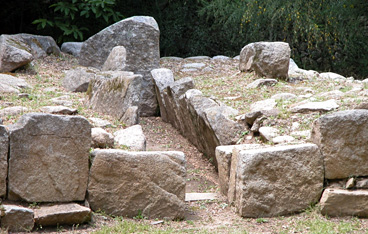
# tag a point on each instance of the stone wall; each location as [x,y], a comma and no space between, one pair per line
[205,122]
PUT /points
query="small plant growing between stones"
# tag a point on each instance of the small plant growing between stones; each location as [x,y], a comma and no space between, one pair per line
[261,220]
[139,216]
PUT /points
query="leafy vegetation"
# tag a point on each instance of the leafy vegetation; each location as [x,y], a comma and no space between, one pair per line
[324,35]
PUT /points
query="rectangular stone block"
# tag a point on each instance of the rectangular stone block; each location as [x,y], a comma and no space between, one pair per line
[343,140]
[131,183]
[276,180]
[48,158]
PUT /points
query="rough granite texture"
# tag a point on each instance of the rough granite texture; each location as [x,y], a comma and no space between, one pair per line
[130,183]
[48,159]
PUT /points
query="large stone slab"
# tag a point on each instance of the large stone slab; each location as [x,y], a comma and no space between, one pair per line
[267,59]
[343,140]
[162,78]
[140,37]
[224,155]
[113,92]
[48,158]
[130,183]
[276,181]
[4,146]
[69,214]
[17,219]
[341,202]
[315,107]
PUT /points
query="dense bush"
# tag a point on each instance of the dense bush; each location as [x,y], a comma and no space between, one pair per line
[325,35]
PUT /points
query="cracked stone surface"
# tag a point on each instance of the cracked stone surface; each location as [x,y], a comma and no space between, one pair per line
[156,182]
[48,159]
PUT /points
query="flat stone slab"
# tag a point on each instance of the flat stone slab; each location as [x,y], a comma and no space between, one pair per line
[262,82]
[315,107]
[200,196]
[194,65]
[341,202]
[68,214]
[62,110]
[13,110]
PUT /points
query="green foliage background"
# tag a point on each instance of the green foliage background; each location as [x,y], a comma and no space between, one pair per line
[324,35]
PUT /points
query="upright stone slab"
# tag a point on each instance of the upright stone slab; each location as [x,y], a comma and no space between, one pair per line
[4,146]
[162,78]
[277,180]
[130,183]
[140,37]
[224,155]
[343,140]
[48,158]
[267,59]
[113,92]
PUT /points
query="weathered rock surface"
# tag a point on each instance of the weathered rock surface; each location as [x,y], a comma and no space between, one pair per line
[13,110]
[162,78]
[268,133]
[132,137]
[140,37]
[101,138]
[262,82]
[131,116]
[203,121]
[61,214]
[224,155]
[113,92]
[62,100]
[315,107]
[156,182]
[49,158]
[267,59]
[14,84]
[116,60]
[17,219]
[261,186]
[12,57]
[100,123]
[62,110]
[77,80]
[264,105]
[284,96]
[343,141]
[331,76]
[4,146]
[72,48]
[340,202]
[20,49]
